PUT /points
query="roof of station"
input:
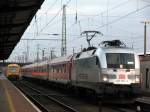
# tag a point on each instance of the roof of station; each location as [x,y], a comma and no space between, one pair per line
[15,16]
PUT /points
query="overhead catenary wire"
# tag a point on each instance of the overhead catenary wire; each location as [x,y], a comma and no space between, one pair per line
[108,10]
[51,20]
[124,16]
[53,4]
[54,16]
[37,18]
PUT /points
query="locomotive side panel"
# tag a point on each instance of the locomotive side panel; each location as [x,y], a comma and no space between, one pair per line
[86,72]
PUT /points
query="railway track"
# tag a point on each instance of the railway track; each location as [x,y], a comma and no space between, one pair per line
[44,101]
[63,102]
[118,108]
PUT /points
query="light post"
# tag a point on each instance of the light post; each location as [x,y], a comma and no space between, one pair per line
[145,29]
[43,54]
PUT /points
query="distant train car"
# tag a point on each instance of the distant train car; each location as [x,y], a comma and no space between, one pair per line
[13,71]
[109,69]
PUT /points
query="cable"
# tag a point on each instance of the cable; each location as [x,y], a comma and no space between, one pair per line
[54,17]
[53,4]
[111,9]
[106,11]
[145,1]
[115,7]
[122,17]
[51,20]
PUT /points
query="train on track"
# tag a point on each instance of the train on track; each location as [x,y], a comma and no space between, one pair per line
[110,69]
[13,71]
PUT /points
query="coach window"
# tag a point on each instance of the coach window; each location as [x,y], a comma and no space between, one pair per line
[50,69]
[38,69]
[53,69]
[35,69]
[64,68]
[59,68]
[42,69]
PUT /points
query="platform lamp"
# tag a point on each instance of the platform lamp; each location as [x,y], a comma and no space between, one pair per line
[145,29]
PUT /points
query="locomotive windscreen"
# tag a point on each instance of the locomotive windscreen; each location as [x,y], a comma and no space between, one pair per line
[120,60]
[12,68]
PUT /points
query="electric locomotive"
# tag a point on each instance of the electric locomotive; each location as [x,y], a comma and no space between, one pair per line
[111,69]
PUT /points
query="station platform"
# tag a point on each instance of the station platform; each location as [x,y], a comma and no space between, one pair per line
[12,100]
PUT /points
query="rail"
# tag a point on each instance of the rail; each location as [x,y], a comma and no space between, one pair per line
[38,94]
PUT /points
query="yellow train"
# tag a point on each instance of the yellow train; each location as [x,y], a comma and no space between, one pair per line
[13,71]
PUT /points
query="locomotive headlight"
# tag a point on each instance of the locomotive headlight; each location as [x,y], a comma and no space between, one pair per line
[137,78]
[105,78]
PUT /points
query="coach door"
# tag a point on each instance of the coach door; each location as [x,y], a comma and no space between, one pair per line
[147,78]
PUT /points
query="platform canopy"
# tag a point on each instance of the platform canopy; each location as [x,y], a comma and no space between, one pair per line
[15,16]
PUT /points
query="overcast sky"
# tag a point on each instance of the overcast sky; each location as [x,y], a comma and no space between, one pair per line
[116,19]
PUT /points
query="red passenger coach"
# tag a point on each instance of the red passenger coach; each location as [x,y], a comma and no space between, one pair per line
[36,70]
[60,69]
[57,70]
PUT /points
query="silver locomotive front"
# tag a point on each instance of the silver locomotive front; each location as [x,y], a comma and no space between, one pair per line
[120,68]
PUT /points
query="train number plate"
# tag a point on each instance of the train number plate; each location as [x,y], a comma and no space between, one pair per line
[121,76]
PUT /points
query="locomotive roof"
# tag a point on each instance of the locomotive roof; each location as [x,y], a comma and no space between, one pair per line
[91,53]
[36,64]
[53,61]
[61,59]
[13,64]
[123,49]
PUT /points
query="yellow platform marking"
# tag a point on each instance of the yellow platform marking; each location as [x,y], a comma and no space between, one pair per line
[9,99]
[11,106]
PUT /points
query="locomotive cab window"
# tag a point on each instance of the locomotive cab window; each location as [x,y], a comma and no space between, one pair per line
[123,60]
